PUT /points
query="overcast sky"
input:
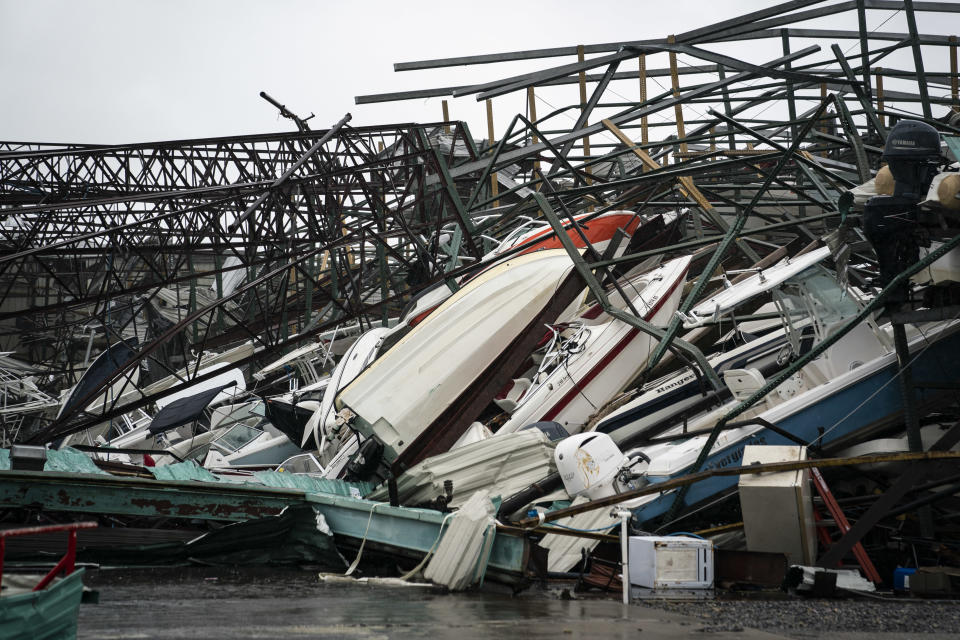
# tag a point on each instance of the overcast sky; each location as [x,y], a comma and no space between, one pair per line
[111,71]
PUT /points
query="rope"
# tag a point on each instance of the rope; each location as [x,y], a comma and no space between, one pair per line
[873,395]
[423,563]
[363,542]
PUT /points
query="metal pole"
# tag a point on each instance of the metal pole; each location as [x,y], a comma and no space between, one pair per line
[910,415]
[624,551]
[954,90]
[289,172]
[918,59]
[728,239]
[864,52]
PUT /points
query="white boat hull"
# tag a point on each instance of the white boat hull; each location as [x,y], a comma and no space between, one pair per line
[615,353]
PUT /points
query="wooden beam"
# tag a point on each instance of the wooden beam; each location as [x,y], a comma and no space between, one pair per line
[494,185]
[583,106]
[532,109]
[687,186]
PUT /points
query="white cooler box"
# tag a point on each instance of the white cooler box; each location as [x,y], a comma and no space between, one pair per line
[671,562]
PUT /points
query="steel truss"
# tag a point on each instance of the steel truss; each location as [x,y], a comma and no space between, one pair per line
[197,245]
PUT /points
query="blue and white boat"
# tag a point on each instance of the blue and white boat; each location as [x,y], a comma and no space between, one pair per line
[850,392]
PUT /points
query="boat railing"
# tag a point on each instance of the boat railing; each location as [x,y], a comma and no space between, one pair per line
[66,564]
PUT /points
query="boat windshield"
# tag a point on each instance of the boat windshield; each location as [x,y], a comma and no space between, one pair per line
[814,294]
[303,463]
[236,438]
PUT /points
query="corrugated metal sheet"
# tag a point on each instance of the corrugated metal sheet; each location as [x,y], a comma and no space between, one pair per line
[502,464]
[462,555]
[313,485]
[50,613]
[69,459]
[565,550]
[188,470]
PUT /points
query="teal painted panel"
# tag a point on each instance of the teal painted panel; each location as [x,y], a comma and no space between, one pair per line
[954,143]
[66,459]
[50,614]
[188,470]
[143,497]
[407,528]
[72,461]
[313,485]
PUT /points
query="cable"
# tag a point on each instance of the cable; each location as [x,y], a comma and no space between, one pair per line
[872,395]
[695,511]
[599,530]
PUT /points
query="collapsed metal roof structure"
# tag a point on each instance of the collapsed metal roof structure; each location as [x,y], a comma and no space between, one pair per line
[187,246]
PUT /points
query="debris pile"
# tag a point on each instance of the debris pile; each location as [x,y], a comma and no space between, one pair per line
[728,308]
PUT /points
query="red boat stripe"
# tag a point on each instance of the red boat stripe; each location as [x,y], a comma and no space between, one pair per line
[613,353]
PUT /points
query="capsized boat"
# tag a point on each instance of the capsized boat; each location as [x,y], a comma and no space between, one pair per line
[643,232]
[763,280]
[245,446]
[667,400]
[357,358]
[599,230]
[421,395]
[837,406]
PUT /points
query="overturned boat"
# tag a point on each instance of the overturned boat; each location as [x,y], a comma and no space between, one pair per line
[420,396]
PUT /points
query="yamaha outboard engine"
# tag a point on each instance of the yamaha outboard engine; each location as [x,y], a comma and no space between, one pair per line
[591,464]
[890,224]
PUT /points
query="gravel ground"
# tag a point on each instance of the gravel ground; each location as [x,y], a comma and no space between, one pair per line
[811,618]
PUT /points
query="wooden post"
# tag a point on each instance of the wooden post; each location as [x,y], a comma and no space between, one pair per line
[494,185]
[713,139]
[677,108]
[687,187]
[532,108]
[583,106]
[954,92]
[350,259]
[879,86]
[446,116]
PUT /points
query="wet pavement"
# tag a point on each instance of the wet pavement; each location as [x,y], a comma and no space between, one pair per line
[212,604]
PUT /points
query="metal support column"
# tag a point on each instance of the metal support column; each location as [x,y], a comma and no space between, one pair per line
[911,416]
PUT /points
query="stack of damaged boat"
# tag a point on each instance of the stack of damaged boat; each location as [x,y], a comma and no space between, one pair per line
[516,389]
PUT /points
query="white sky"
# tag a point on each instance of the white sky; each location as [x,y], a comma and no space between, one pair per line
[110,71]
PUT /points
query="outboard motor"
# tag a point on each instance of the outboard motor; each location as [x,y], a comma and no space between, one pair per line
[912,153]
[365,462]
[590,464]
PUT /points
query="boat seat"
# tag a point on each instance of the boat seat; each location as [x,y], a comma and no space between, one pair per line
[509,402]
[743,383]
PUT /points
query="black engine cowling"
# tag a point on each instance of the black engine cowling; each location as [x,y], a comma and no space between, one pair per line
[912,152]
